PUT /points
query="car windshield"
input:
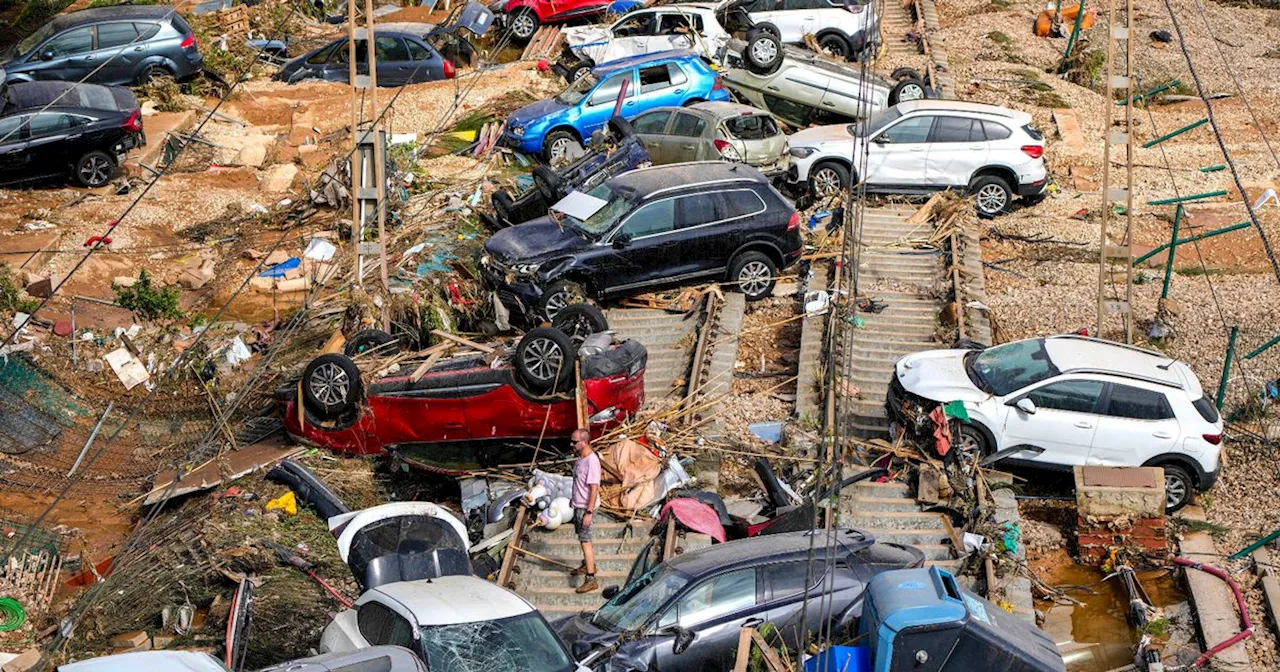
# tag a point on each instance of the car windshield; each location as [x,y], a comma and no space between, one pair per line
[578,90]
[638,600]
[616,205]
[1010,367]
[523,642]
[873,125]
[32,40]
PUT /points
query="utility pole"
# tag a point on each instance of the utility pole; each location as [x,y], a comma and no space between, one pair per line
[1116,251]
[368,160]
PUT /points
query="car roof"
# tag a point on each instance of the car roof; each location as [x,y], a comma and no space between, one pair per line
[766,548]
[1082,354]
[21,96]
[723,109]
[646,181]
[961,106]
[446,600]
[97,14]
[606,69]
[703,6]
[169,661]
[417,29]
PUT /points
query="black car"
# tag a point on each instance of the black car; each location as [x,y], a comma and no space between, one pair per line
[54,129]
[646,229]
[684,614]
[122,45]
[404,56]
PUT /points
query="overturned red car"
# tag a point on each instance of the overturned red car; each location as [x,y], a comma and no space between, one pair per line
[465,414]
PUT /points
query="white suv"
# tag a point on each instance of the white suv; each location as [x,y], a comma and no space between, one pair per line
[843,28]
[921,146]
[1069,400]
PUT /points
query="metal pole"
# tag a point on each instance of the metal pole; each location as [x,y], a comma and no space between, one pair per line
[1226,367]
[92,435]
[356,228]
[75,354]
[1075,32]
[1168,264]
[1261,348]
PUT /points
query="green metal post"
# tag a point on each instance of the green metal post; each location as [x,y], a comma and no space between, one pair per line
[1075,32]
[1226,367]
[1262,348]
[1192,239]
[1173,245]
[1254,546]
[1152,92]
[1175,133]
[1213,169]
[1192,197]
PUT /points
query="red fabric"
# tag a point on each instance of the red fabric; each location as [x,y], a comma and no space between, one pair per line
[941,431]
[695,515]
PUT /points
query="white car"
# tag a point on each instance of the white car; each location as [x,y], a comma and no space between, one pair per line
[644,31]
[1069,400]
[843,28]
[923,146]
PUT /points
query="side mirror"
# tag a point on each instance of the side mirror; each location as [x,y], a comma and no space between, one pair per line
[881,139]
[1026,406]
[684,638]
[46,55]
[621,241]
[609,592]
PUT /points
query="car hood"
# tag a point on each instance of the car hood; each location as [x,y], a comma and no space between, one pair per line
[534,112]
[581,635]
[820,135]
[581,36]
[533,240]
[937,375]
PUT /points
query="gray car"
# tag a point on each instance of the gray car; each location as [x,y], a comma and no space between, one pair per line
[122,45]
[403,51]
[714,130]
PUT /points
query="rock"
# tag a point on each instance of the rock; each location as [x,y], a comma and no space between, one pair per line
[123,281]
[263,284]
[192,279]
[41,288]
[278,178]
[27,661]
[277,257]
[252,155]
[129,639]
[162,641]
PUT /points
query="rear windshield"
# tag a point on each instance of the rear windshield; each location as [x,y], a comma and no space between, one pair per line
[753,127]
[1033,132]
[180,24]
[1206,409]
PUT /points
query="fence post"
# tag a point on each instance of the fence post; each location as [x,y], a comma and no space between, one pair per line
[1173,242]
[1226,367]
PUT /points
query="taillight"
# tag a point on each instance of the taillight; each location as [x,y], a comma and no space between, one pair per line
[1213,439]
[794,222]
[1033,151]
[188,41]
[449,71]
[134,123]
[727,150]
[855,9]
[718,85]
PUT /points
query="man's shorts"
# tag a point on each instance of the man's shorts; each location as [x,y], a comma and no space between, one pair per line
[583,529]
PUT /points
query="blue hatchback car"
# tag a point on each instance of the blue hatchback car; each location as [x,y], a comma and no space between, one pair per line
[549,127]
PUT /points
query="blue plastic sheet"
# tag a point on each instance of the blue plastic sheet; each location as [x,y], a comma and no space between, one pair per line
[281,268]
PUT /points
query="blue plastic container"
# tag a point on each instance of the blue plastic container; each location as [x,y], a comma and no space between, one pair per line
[840,659]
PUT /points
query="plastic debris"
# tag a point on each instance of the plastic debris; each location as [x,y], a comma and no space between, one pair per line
[287,503]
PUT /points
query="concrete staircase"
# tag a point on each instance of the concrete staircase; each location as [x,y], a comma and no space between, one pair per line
[669,338]
[897,20]
[888,511]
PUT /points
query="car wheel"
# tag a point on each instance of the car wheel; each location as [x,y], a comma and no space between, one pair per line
[547,181]
[905,90]
[763,53]
[560,294]
[691,102]
[1178,488]
[94,169]
[503,206]
[331,386]
[556,147]
[763,28]
[544,358]
[580,320]
[992,195]
[153,73]
[754,274]
[970,442]
[834,45]
[828,178]
[620,128]
[905,73]
[524,23]
[371,340]
[579,71]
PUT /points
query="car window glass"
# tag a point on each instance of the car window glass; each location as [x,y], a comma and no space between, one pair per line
[1079,396]
[688,125]
[657,217]
[180,24]
[740,203]
[1137,403]
[607,92]
[725,594]
[47,123]
[799,4]
[654,78]
[327,52]
[417,52]
[751,127]
[651,122]
[146,31]
[9,129]
[389,49]
[636,26]
[909,131]
[341,54]
[787,578]
[116,35]
[676,74]
[76,41]
[952,129]
[678,24]
[380,625]
[995,131]
[696,210]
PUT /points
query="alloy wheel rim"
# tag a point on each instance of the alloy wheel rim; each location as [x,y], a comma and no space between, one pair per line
[543,359]
[826,181]
[559,148]
[96,170]
[1175,490]
[991,199]
[911,92]
[330,384]
[522,26]
[558,302]
[754,278]
[764,51]
[967,444]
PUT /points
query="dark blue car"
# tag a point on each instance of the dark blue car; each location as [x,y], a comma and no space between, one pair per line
[549,127]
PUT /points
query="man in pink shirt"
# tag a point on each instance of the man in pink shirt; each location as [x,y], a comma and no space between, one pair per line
[586,497]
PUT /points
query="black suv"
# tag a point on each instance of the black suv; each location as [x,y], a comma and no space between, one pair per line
[646,229]
[53,129]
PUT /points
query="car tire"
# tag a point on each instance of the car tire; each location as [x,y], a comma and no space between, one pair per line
[827,178]
[579,70]
[154,72]
[620,128]
[94,169]
[691,102]
[765,27]
[523,24]
[754,274]
[1179,487]
[503,207]
[992,195]
[371,340]
[580,320]
[836,45]
[905,73]
[763,53]
[544,358]
[556,145]
[969,438]
[547,181]
[907,90]
[560,294]
[331,386]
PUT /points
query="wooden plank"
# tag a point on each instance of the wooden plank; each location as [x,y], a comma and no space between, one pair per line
[429,362]
[509,555]
[669,542]
[334,344]
[487,349]
[771,658]
[744,650]
[956,541]
[1068,127]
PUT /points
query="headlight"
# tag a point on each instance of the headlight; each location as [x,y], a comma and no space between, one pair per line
[517,131]
[802,152]
[484,260]
[525,269]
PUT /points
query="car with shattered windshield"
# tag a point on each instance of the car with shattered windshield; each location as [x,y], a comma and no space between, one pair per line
[714,130]
[684,26]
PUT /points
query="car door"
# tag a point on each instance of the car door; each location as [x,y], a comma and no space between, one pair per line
[803,84]
[957,149]
[651,129]
[714,609]
[685,141]
[712,227]
[1064,423]
[598,107]
[14,160]
[120,51]
[68,56]
[1135,425]
[785,583]
[394,64]
[797,19]
[677,30]
[898,156]
[644,249]
[639,30]
[382,626]
[657,87]
[424,64]
[767,11]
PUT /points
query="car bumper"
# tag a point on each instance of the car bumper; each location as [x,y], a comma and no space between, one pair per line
[521,297]
[1208,479]
[1033,188]
[523,144]
[778,168]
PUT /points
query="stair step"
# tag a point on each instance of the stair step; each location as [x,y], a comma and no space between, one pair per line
[861,503]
